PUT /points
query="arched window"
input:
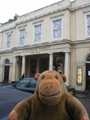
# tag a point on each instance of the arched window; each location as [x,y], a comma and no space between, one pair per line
[7,62]
[88,58]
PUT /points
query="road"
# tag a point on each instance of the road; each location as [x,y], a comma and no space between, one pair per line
[86,103]
[10,97]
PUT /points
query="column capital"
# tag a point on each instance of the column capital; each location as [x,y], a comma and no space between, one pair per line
[50,53]
[14,56]
[23,55]
[66,51]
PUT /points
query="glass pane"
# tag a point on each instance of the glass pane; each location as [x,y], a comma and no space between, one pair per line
[22,33]
[57,34]
[8,45]
[38,38]
[57,24]
[7,61]
[88,59]
[38,29]
[88,20]
[21,41]
[32,84]
[8,38]
[88,31]
[22,37]
[23,83]
[8,41]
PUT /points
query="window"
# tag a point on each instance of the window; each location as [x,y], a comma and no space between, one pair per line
[87,25]
[37,33]
[7,61]
[88,59]
[8,41]
[23,83]
[22,37]
[57,29]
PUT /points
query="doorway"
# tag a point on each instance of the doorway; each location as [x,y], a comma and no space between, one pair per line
[33,64]
[87,75]
[6,70]
[6,74]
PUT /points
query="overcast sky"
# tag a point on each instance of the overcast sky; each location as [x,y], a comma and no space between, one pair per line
[8,8]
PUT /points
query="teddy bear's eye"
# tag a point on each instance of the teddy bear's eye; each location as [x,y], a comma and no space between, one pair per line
[56,77]
[43,77]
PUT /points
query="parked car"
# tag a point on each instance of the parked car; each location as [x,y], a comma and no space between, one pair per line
[26,84]
[29,84]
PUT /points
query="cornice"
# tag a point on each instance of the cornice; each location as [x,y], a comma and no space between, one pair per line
[8,29]
[6,51]
[58,42]
[85,11]
[36,45]
[54,11]
[81,41]
[79,7]
[42,15]
[48,13]
[22,26]
[55,16]
[39,21]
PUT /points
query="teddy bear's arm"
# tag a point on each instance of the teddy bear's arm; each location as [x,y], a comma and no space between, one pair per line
[76,109]
[21,111]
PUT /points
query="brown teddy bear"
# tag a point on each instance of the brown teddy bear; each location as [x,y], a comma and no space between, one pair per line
[50,101]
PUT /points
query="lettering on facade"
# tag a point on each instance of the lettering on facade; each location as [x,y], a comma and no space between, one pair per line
[35,49]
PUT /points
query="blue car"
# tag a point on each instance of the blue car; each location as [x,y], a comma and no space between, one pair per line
[29,85]
[26,84]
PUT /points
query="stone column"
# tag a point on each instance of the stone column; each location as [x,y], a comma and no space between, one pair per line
[50,61]
[14,69]
[67,68]
[28,68]
[17,70]
[37,70]
[23,64]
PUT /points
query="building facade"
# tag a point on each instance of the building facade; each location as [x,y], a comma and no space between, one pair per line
[54,37]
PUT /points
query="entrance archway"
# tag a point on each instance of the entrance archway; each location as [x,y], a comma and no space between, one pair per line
[88,72]
[6,70]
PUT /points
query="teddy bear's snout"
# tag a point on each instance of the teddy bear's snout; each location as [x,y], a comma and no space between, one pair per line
[49,87]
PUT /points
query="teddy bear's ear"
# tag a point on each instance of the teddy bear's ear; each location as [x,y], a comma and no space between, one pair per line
[63,77]
[36,76]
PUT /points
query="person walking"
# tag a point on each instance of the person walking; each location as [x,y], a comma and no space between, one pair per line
[22,76]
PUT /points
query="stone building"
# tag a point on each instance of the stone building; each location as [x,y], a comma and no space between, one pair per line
[54,37]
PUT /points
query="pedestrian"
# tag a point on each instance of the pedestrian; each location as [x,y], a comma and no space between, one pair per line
[23,75]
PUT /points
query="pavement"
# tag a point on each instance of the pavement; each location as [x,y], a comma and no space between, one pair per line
[5,84]
[83,94]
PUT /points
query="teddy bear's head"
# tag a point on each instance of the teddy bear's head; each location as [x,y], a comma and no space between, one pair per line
[50,85]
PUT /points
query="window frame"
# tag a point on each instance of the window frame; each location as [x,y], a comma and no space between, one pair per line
[37,24]
[7,41]
[20,29]
[86,32]
[52,21]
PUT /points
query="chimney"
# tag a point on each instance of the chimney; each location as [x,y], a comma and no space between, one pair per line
[16,17]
